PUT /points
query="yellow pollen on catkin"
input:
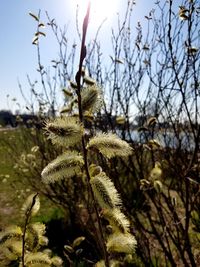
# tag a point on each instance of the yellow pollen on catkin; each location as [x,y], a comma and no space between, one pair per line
[105,191]
[64,131]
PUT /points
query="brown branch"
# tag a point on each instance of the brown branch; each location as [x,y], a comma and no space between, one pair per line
[78,91]
[28,215]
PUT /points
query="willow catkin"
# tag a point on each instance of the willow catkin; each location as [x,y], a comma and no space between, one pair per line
[91,98]
[37,259]
[64,131]
[105,191]
[11,232]
[110,145]
[117,220]
[121,243]
[64,166]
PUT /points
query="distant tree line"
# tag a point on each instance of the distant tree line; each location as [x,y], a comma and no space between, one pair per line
[9,119]
[103,122]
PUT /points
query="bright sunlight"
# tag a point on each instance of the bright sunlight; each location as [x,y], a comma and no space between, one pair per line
[100,10]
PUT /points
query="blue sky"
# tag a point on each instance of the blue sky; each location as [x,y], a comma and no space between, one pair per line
[18,56]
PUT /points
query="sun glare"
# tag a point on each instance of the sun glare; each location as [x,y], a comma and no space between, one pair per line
[100,10]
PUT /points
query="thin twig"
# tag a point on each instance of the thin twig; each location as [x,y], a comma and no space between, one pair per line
[28,215]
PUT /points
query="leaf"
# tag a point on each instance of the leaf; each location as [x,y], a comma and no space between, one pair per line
[34,16]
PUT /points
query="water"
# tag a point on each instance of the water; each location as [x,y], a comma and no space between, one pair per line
[183,140]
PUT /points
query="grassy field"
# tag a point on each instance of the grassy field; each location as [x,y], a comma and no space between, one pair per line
[12,191]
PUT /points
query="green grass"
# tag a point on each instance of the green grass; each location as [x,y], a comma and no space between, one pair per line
[13,192]
[10,191]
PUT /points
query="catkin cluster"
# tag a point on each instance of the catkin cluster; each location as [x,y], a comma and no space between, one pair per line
[32,252]
[67,131]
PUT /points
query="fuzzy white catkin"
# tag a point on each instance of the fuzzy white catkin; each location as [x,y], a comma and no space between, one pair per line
[105,191]
[110,145]
[37,259]
[121,243]
[64,166]
[64,131]
[117,220]
[91,99]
